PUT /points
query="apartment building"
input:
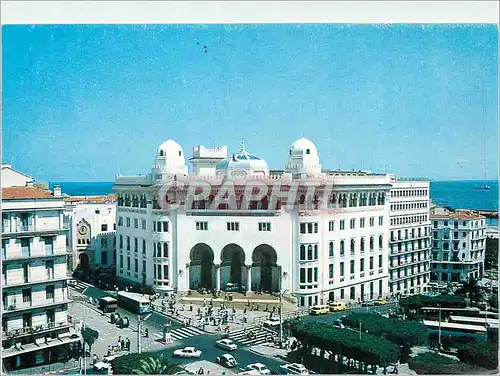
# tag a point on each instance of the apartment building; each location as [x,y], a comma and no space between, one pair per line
[458,245]
[410,237]
[35,327]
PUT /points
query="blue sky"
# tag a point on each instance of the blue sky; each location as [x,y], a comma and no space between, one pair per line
[83,103]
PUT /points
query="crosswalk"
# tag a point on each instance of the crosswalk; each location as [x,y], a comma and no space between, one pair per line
[261,336]
[181,333]
[80,286]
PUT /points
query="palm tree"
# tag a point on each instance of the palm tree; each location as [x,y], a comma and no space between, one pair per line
[157,366]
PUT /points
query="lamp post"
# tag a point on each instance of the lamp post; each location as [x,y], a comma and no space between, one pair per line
[439,330]
[281,316]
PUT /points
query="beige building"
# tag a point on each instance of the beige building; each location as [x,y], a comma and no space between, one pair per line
[35,328]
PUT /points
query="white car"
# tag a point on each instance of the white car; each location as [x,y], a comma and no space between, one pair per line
[261,368]
[226,344]
[272,322]
[187,352]
[251,372]
[104,364]
[294,369]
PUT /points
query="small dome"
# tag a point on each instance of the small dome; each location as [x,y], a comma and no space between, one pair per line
[170,148]
[243,162]
[303,146]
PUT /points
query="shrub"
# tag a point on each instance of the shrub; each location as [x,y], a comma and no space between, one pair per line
[435,364]
[483,354]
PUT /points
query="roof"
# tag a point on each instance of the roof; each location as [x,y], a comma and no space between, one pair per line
[8,166]
[13,193]
[91,199]
[457,215]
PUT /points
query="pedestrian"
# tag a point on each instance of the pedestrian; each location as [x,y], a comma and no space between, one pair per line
[200,371]
[119,339]
[123,344]
[191,307]
[128,344]
[109,350]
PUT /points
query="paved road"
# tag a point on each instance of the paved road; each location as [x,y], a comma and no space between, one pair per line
[329,318]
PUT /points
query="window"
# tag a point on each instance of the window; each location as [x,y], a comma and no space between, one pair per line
[331,226]
[121,261]
[435,223]
[202,226]
[362,223]
[264,226]
[128,222]
[380,265]
[143,224]
[445,223]
[362,245]
[120,221]
[128,263]
[330,250]
[362,265]
[136,266]
[233,226]
[330,271]
[372,241]
[154,226]
[26,295]
[371,263]
[372,221]
[342,247]
[316,228]
[309,252]
[302,228]
[341,269]
[352,223]
[128,243]
[121,241]
[165,226]
[381,221]
[380,242]
[352,267]
[342,224]
[165,271]
[104,227]
[302,252]
[353,245]
[104,258]
[165,249]
[49,292]
[114,226]
[302,275]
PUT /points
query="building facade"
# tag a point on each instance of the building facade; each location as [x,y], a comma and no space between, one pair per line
[35,328]
[410,237]
[458,245]
[312,234]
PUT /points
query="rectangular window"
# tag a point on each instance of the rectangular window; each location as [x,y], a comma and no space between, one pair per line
[264,226]
[120,221]
[128,263]
[49,292]
[331,250]
[309,275]
[26,295]
[309,228]
[159,272]
[352,267]
[128,222]
[380,265]
[315,228]
[165,226]
[315,270]
[202,226]
[302,228]
[342,224]
[302,275]
[330,271]
[144,266]
[104,227]
[362,265]
[136,265]
[352,223]
[342,269]
[362,223]
[165,271]
[233,226]
[372,221]
[331,226]
[121,261]
[381,221]
[371,263]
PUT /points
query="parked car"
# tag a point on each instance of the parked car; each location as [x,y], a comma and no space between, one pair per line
[337,306]
[338,324]
[272,323]
[187,352]
[381,301]
[293,369]
[261,368]
[227,360]
[234,287]
[320,310]
[226,344]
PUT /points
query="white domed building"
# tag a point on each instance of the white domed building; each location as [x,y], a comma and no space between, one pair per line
[313,235]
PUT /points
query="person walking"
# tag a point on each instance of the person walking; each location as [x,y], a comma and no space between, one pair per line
[123,345]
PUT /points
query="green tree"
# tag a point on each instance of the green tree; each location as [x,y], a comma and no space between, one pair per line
[491,254]
[90,336]
[493,301]
[483,354]
[127,364]
[471,289]
[157,366]
[434,364]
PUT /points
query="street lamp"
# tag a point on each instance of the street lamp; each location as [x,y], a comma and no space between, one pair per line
[281,316]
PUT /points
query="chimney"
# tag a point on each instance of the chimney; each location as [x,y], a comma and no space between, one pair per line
[57,191]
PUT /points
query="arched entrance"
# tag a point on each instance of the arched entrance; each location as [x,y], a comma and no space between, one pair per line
[201,267]
[83,259]
[232,264]
[264,264]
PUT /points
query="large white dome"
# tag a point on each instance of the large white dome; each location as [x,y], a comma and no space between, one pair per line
[169,160]
[170,148]
[303,146]
[303,159]
[242,163]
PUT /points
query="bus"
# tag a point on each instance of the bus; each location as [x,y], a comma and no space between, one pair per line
[133,302]
[483,321]
[432,313]
[449,329]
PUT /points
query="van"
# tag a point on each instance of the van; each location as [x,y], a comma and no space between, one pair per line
[337,306]
[108,304]
[320,310]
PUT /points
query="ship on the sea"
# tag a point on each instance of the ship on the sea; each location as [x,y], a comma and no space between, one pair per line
[482,187]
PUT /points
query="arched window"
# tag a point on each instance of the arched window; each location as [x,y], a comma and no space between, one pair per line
[372,241]
[381,242]
[165,249]
[302,199]
[302,252]
[143,245]
[353,245]
[309,252]
[331,251]
[308,151]
[128,243]
[315,251]
[158,250]
[136,244]
[342,248]
[180,153]
[162,153]
[121,241]
[362,245]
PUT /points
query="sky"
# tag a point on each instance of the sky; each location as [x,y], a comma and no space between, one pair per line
[84,103]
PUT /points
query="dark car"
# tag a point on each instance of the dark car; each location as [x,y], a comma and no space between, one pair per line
[227,360]
[234,287]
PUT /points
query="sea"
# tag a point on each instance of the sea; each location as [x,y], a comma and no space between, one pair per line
[455,194]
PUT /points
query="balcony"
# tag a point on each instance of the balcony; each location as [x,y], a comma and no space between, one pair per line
[25,306]
[31,330]
[36,254]
[28,282]
[30,228]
